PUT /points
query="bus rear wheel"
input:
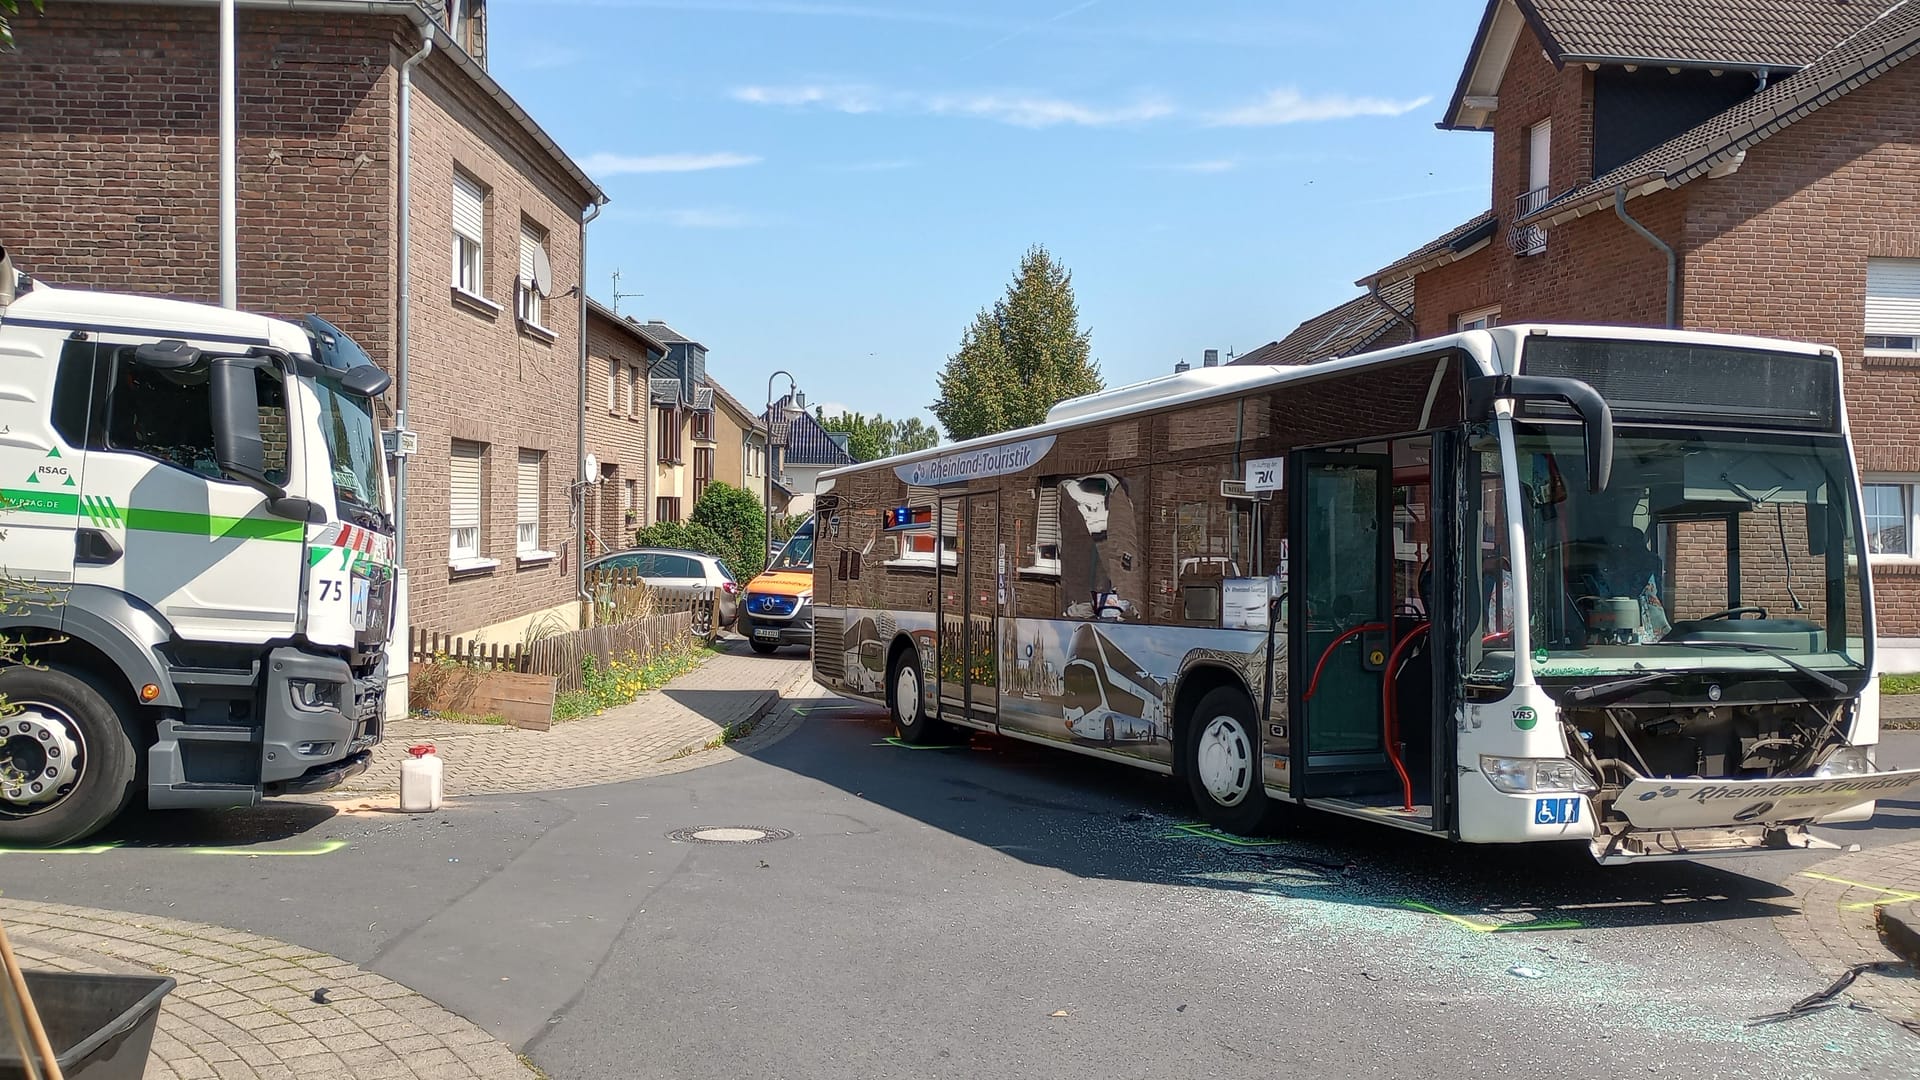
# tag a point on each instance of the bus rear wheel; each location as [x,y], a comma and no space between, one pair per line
[1223,762]
[67,763]
[907,700]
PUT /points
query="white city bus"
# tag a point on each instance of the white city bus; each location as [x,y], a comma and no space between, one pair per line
[1530,583]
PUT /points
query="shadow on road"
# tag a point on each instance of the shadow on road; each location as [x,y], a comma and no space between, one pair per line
[270,823]
[1096,819]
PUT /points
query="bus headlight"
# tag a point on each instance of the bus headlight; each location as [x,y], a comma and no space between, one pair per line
[1847,761]
[1517,776]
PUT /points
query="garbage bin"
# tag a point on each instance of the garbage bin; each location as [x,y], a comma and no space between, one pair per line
[101,1026]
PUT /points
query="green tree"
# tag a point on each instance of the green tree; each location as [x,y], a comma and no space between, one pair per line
[8,9]
[914,434]
[684,535]
[1021,358]
[868,437]
[734,516]
[974,385]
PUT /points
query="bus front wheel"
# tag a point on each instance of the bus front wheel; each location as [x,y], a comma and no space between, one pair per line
[907,698]
[1223,762]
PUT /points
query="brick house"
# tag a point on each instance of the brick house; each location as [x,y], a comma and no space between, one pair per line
[1772,149]
[1375,321]
[803,449]
[119,167]
[620,353]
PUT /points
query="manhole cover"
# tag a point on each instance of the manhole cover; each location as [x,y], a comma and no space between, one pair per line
[729,834]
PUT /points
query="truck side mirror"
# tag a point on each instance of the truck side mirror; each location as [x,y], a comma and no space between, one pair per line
[366,381]
[237,446]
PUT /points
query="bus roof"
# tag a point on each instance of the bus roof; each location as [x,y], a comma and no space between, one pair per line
[1496,349]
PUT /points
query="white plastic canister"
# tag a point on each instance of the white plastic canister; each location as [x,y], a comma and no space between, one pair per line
[422,778]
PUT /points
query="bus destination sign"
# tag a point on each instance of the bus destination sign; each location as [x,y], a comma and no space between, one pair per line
[974,464]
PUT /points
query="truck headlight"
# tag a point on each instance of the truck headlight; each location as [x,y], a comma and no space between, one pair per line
[315,696]
[1517,776]
[1847,761]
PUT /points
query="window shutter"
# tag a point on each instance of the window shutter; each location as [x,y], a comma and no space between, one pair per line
[529,245]
[613,386]
[1893,296]
[469,209]
[464,487]
[526,534]
[1046,530]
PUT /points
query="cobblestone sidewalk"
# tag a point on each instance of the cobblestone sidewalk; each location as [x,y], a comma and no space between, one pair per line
[244,1005]
[1835,928]
[665,731]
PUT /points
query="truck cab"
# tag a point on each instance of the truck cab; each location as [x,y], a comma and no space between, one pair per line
[195,517]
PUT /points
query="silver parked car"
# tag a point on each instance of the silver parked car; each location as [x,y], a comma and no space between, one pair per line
[677,568]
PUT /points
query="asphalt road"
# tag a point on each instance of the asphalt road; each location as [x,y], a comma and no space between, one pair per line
[1005,910]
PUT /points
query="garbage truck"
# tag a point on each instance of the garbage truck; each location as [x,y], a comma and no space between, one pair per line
[196,558]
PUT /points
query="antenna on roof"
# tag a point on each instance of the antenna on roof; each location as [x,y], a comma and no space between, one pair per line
[617,294]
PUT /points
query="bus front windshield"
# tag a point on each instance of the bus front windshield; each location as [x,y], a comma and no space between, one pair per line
[353,445]
[1708,549]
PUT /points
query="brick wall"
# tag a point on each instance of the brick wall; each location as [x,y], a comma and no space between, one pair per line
[113,177]
[616,434]
[119,171]
[478,373]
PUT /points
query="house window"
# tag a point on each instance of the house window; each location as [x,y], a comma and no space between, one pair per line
[1889,506]
[529,305]
[703,425]
[613,387]
[526,533]
[633,392]
[666,508]
[667,439]
[1479,320]
[629,494]
[469,236]
[702,470]
[1893,307]
[463,500]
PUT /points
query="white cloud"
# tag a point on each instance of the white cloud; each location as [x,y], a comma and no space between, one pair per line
[846,99]
[608,164]
[1019,109]
[1289,106]
[1212,165]
[1038,112]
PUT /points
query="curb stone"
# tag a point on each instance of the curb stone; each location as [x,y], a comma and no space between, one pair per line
[1900,929]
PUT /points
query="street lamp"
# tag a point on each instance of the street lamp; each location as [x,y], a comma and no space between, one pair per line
[796,404]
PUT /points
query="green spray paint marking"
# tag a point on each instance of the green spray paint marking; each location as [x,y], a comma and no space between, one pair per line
[91,849]
[1494,928]
[103,511]
[894,740]
[1202,831]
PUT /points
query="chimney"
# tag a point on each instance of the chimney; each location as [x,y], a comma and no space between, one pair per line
[1210,358]
[1181,366]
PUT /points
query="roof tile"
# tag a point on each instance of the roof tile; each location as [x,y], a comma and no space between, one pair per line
[1762,33]
[1353,327]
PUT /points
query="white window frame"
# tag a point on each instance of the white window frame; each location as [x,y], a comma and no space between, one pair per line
[1478,318]
[466,525]
[1909,484]
[1893,306]
[470,237]
[529,471]
[529,305]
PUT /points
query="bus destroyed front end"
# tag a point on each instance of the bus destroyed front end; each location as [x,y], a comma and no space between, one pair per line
[1699,620]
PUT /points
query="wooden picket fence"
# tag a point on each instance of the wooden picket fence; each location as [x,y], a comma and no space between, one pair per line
[674,613]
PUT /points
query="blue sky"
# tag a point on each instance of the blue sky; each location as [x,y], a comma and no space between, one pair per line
[834,188]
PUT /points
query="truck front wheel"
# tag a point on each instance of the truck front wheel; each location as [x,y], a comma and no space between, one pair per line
[67,761]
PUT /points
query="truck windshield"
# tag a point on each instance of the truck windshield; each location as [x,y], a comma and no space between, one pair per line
[1703,540]
[798,552]
[353,445]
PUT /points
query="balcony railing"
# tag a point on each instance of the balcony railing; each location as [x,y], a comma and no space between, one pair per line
[1527,239]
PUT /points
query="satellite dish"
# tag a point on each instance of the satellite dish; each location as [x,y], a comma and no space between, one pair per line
[542,272]
[593,469]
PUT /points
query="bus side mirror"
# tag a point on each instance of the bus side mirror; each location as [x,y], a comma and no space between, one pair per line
[237,446]
[1596,417]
